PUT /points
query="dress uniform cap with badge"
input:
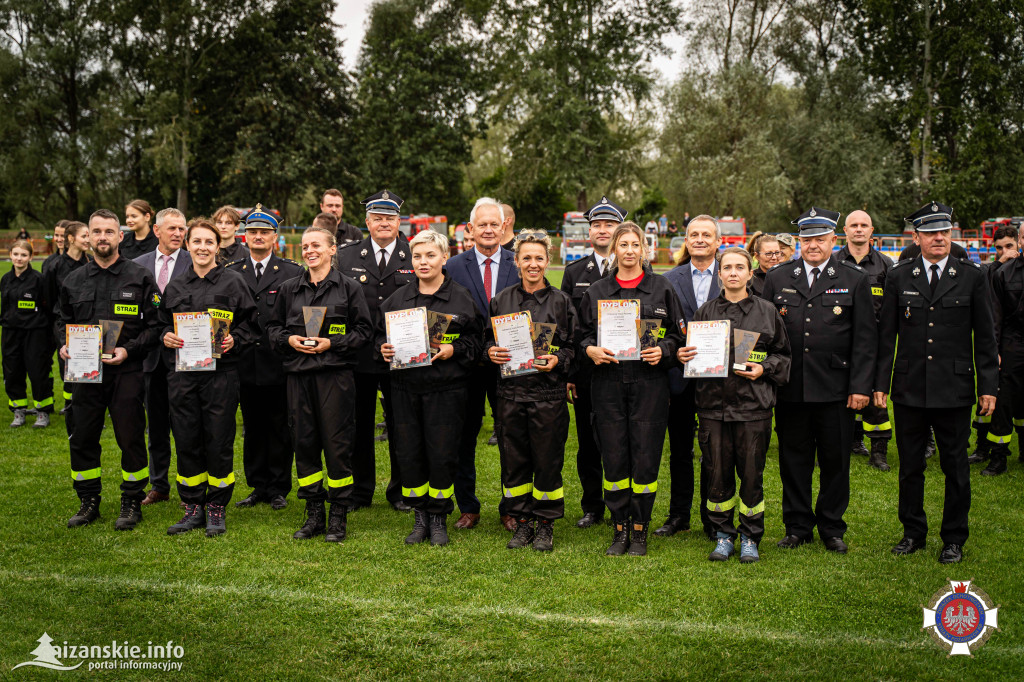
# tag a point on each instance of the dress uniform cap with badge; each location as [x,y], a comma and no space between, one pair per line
[258,218]
[816,222]
[384,202]
[932,217]
[605,210]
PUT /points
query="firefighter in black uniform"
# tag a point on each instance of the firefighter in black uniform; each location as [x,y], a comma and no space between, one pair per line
[321,388]
[227,220]
[604,217]
[74,256]
[26,340]
[380,265]
[1008,313]
[531,415]
[203,404]
[736,412]
[936,335]
[111,288]
[332,202]
[429,402]
[630,398]
[858,250]
[266,447]
[833,334]
[1005,241]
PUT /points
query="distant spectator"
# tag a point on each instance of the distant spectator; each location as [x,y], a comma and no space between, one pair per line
[23,234]
[673,229]
[686,220]
[651,227]
[662,225]
[787,245]
[509,226]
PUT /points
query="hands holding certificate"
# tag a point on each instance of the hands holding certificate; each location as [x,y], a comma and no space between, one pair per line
[500,356]
[172,340]
[603,356]
[753,372]
[444,351]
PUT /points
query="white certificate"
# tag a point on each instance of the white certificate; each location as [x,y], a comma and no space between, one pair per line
[616,327]
[712,341]
[407,332]
[515,332]
[196,330]
[84,342]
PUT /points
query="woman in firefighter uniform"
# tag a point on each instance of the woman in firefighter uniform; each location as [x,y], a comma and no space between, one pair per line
[631,397]
[320,383]
[203,403]
[26,340]
[429,401]
[736,412]
[531,415]
[226,220]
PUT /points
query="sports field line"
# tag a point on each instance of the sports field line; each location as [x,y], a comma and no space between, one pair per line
[403,612]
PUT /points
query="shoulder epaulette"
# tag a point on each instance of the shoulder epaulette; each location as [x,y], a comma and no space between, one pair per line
[968,261]
[851,264]
[289,260]
[901,262]
[234,262]
[348,244]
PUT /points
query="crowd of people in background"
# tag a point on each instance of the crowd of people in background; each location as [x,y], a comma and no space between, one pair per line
[839,334]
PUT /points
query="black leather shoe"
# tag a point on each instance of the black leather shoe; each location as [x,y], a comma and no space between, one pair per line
[589,519]
[907,546]
[996,465]
[835,545]
[251,501]
[400,506]
[791,542]
[859,449]
[978,456]
[620,540]
[951,554]
[673,525]
[278,502]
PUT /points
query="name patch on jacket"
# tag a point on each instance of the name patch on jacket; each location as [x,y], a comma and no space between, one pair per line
[336,329]
[910,293]
[125,309]
[788,291]
[838,291]
[876,291]
[221,314]
[26,305]
[448,338]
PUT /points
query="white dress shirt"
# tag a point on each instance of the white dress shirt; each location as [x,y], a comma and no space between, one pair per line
[928,267]
[377,248]
[263,262]
[702,282]
[810,276]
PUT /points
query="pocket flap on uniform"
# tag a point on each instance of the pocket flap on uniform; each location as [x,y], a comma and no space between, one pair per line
[839,362]
[82,296]
[955,301]
[963,367]
[339,310]
[836,299]
[911,301]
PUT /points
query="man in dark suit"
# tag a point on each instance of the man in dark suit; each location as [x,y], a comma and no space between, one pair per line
[266,448]
[333,203]
[381,265]
[485,270]
[695,280]
[604,217]
[826,305]
[937,350]
[166,262]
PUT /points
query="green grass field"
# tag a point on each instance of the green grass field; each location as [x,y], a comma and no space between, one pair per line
[256,604]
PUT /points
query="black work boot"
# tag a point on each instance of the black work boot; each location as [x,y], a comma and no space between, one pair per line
[523,535]
[620,541]
[420,528]
[195,517]
[858,448]
[638,539]
[997,462]
[544,540]
[879,448]
[316,520]
[439,529]
[215,523]
[131,514]
[336,523]
[87,513]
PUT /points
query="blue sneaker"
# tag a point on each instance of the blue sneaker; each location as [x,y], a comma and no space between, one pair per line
[748,550]
[723,550]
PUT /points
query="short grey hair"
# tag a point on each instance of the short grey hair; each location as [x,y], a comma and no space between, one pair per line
[168,212]
[486,201]
[707,218]
[430,238]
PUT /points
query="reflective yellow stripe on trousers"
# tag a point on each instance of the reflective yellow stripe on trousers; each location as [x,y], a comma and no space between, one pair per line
[193,481]
[418,491]
[751,511]
[884,426]
[616,485]
[222,482]
[641,488]
[311,479]
[552,495]
[722,506]
[438,494]
[518,490]
[85,475]
[135,475]
[339,482]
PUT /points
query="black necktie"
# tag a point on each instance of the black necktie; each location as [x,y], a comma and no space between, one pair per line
[935,277]
[814,276]
[259,271]
[383,261]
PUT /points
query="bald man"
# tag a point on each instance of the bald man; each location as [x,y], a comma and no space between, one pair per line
[873,421]
[509,227]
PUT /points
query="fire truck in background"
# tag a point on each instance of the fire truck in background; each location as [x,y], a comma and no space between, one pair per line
[734,231]
[575,237]
[413,225]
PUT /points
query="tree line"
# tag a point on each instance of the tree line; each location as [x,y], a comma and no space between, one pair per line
[548,105]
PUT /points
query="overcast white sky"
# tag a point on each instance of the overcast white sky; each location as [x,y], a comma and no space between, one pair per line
[351,15]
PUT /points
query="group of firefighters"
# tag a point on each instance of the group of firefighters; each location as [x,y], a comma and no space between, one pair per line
[838,335]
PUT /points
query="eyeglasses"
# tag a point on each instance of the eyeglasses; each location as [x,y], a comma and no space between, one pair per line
[769,255]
